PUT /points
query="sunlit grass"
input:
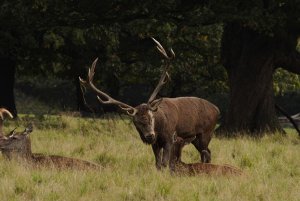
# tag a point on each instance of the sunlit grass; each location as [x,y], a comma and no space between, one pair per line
[271,165]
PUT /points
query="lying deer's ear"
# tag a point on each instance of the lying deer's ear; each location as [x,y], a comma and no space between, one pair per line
[154,104]
[28,129]
[12,133]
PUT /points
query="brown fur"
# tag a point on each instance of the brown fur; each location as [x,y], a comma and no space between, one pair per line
[186,117]
[157,121]
[199,168]
[206,168]
[18,146]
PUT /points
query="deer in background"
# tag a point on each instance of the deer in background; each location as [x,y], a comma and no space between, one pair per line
[18,145]
[3,112]
[158,120]
[191,169]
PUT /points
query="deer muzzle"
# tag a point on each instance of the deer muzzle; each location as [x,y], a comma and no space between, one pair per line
[150,138]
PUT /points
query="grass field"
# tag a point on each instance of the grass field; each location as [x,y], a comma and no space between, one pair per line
[271,165]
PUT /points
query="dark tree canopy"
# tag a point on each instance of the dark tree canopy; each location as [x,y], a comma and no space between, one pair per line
[258,38]
[251,39]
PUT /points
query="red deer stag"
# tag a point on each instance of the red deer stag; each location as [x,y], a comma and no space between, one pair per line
[18,145]
[158,120]
[2,114]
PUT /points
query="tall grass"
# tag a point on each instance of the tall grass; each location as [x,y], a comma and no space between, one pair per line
[271,165]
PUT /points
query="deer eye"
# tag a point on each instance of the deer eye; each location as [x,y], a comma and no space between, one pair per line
[143,124]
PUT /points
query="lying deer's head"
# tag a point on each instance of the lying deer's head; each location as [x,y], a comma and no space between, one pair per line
[142,114]
[17,143]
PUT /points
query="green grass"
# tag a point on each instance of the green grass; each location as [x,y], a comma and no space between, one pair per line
[271,165]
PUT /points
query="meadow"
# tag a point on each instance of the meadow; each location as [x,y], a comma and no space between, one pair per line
[271,165]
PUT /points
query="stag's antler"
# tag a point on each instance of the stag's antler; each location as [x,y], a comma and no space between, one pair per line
[5,111]
[103,97]
[164,76]
[2,113]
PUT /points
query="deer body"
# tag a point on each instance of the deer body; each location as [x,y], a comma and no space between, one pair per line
[18,146]
[182,168]
[160,120]
[206,168]
[188,118]
[61,162]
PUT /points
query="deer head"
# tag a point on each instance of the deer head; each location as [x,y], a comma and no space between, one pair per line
[142,114]
[17,143]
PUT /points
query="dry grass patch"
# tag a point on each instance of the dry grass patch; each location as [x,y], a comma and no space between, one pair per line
[271,164]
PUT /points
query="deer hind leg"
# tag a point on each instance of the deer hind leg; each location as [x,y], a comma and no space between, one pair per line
[179,143]
[202,146]
[177,149]
[205,156]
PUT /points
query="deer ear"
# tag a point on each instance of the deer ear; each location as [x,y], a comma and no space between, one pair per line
[154,104]
[28,129]
[13,132]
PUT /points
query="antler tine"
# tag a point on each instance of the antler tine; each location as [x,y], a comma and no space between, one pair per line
[103,97]
[162,50]
[173,53]
[163,80]
[91,72]
[165,75]
[5,111]
[129,109]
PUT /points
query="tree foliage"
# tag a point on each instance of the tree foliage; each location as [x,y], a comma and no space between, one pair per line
[50,35]
[62,37]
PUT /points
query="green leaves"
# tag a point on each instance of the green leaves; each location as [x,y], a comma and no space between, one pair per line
[60,37]
[52,40]
[285,81]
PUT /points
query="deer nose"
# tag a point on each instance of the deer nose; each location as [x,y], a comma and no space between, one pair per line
[150,136]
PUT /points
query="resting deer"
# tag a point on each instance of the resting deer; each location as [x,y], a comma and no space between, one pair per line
[3,112]
[18,145]
[182,168]
[205,168]
[157,120]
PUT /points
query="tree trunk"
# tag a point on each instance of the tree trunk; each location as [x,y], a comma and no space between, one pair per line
[7,82]
[79,95]
[249,61]
[78,69]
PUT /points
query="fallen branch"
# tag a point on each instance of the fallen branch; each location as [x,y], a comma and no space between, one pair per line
[280,109]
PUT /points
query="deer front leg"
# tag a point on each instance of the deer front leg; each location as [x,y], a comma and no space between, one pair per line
[157,153]
[175,156]
[166,154]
